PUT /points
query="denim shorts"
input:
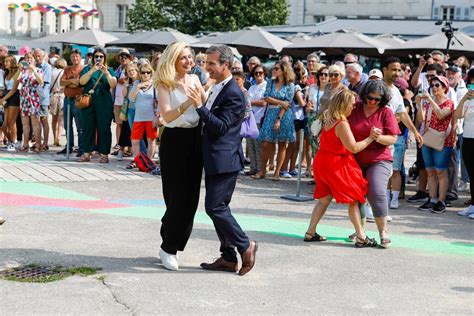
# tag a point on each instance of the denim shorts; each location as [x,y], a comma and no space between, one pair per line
[438,160]
[399,153]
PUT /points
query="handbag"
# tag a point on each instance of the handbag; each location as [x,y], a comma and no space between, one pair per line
[84,100]
[433,138]
[249,127]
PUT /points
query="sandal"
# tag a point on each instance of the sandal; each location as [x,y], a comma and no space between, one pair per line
[131,166]
[276,178]
[385,242]
[44,148]
[23,149]
[352,237]
[104,159]
[315,237]
[367,242]
[84,158]
[258,176]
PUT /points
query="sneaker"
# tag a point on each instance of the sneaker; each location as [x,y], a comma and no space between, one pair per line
[451,198]
[471,216]
[394,204]
[120,155]
[293,173]
[468,211]
[389,218]
[285,174]
[428,206]
[64,151]
[11,147]
[463,186]
[439,208]
[169,261]
[420,196]
[447,203]
[370,219]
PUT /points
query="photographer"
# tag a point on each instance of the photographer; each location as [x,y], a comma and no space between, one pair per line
[419,77]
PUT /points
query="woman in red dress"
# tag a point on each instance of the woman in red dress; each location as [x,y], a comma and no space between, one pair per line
[337,174]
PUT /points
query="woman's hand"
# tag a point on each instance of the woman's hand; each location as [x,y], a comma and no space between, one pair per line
[285,104]
[194,96]
[310,106]
[375,133]
[276,126]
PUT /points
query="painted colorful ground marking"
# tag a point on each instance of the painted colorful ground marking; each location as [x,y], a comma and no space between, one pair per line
[50,198]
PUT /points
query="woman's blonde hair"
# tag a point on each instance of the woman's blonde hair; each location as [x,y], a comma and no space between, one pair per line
[339,103]
[131,66]
[61,63]
[334,68]
[146,67]
[166,69]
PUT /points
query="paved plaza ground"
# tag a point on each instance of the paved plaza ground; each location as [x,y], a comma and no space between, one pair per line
[104,216]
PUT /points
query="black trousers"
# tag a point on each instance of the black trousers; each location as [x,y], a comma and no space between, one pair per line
[219,190]
[181,173]
[468,156]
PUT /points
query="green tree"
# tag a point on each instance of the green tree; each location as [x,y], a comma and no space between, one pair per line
[196,16]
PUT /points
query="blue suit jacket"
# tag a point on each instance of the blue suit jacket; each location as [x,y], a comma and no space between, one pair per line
[221,143]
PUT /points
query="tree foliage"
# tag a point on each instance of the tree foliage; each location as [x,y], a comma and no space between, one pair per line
[196,16]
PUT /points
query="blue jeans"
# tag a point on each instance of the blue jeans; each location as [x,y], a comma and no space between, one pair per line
[131,119]
[434,159]
[71,103]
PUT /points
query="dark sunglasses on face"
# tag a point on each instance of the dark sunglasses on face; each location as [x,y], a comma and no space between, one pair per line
[334,74]
[258,73]
[99,56]
[369,98]
[146,72]
[437,85]
[323,74]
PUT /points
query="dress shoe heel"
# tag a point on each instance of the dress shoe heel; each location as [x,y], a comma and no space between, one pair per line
[248,258]
[220,264]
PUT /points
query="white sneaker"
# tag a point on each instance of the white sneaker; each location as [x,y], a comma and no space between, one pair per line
[463,186]
[120,155]
[169,261]
[11,147]
[389,218]
[471,216]
[394,204]
[467,212]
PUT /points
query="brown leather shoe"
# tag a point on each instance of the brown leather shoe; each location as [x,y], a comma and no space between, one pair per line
[248,258]
[220,265]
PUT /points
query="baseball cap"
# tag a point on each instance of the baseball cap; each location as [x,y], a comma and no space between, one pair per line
[377,74]
[454,68]
[401,83]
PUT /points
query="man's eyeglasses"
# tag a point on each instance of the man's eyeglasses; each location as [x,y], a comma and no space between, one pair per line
[376,99]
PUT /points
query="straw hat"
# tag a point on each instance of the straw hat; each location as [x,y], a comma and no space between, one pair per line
[123,52]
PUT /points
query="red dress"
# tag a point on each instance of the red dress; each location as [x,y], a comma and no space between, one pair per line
[336,171]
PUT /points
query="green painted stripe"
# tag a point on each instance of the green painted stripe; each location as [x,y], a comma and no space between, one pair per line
[296,229]
[14,159]
[42,190]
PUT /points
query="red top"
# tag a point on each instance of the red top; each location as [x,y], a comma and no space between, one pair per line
[361,126]
[442,125]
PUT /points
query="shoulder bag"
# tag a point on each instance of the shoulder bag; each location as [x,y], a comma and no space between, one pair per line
[84,100]
[433,138]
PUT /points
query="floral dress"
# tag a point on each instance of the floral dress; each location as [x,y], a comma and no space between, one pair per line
[287,125]
[29,97]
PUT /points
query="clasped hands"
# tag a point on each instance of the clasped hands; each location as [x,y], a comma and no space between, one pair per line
[375,133]
[194,96]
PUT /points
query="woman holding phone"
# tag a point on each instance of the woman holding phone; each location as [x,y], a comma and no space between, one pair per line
[98,115]
[12,98]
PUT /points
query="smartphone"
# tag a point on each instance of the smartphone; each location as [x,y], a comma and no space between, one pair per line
[97,61]
[470,86]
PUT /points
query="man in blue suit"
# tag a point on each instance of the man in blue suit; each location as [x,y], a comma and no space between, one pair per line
[223,158]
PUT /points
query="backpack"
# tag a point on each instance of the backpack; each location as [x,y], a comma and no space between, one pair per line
[144,163]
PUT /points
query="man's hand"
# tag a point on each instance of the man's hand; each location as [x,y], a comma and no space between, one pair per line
[194,96]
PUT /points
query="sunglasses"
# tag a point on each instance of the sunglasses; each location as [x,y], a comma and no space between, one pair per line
[258,72]
[146,72]
[408,70]
[123,57]
[334,74]
[99,56]
[323,74]
[437,85]
[369,98]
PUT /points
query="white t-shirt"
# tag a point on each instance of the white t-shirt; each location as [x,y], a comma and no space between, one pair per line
[256,92]
[469,119]
[2,80]
[396,103]
[119,90]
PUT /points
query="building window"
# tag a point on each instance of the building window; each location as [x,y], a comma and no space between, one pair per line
[71,23]
[84,21]
[42,22]
[447,13]
[11,14]
[57,25]
[122,16]
[319,18]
